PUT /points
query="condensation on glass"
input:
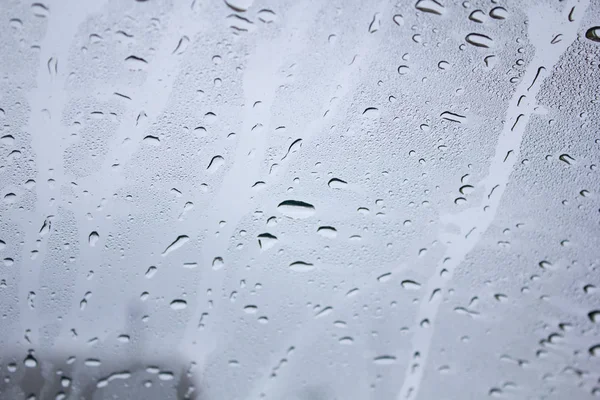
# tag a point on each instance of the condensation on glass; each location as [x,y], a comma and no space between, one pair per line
[260,199]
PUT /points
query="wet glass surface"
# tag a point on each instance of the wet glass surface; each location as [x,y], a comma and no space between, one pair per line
[305,200]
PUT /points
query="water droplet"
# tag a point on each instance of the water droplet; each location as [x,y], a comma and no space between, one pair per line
[135,63]
[410,285]
[384,360]
[371,113]
[251,309]
[215,163]
[477,16]
[92,362]
[325,311]
[150,272]
[93,238]
[593,34]
[336,183]
[466,189]
[296,209]
[385,277]
[30,361]
[176,244]
[182,45]
[327,231]
[239,5]
[10,198]
[218,263]
[454,117]
[123,338]
[499,13]
[266,16]
[40,10]
[375,23]
[294,147]
[266,241]
[301,266]
[346,340]
[403,69]
[566,158]
[151,140]
[594,316]
[430,6]
[178,304]
[545,264]
[479,40]
[595,350]
[398,19]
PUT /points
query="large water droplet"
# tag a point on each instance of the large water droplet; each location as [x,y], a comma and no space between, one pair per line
[178,304]
[30,361]
[430,6]
[410,285]
[296,209]
[479,40]
[301,266]
[239,5]
[499,13]
[327,231]
[218,263]
[336,183]
[593,34]
[176,244]
[384,360]
[93,238]
[215,163]
[477,16]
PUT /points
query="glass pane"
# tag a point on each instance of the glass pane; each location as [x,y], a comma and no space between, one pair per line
[260,199]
